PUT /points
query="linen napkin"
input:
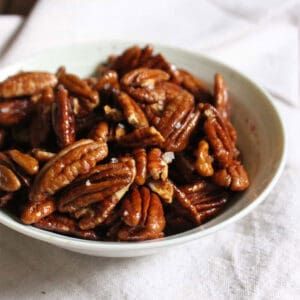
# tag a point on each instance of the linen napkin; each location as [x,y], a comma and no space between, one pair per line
[257,257]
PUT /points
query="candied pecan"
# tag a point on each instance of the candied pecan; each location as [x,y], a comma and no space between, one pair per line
[143,216]
[157,168]
[203,164]
[41,155]
[26,84]
[14,111]
[195,86]
[76,159]
[113,113]
[62,224]
[164,189]
[131,110]
[100,132]
[221,98]
[35,211]
[108,80]
[9,182]
[88,97]
[28,163]
[63,118]
[141,137]
[112,179]
[140,157]
[143,84]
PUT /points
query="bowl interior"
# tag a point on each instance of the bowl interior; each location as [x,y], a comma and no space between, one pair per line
[260,132]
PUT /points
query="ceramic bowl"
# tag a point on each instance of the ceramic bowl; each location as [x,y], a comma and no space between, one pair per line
[260,139]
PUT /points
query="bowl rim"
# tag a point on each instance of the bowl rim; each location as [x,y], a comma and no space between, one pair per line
[189,235]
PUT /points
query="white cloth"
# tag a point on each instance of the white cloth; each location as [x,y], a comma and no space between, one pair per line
[256,258]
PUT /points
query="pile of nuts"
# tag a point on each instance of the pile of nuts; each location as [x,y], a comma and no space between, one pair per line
[141,151]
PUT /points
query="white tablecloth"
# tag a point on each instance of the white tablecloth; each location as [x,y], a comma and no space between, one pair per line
[256,258]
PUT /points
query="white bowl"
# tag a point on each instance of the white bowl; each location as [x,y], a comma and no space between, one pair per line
[260,138]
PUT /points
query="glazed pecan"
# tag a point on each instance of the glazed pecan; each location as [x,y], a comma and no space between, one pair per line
[9,182]
[63,118]
[140,157]
[144,84]
[204,160]
[14,111]
[164,188]
[221,98]
[74,160]
[141,137]
[62,224]
[103,181]
[113,114]
[41,155]
[108,80]
[143,216]
[157,168]
[26,84]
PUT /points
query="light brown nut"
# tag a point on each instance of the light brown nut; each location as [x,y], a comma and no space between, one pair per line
[221,97]
[27,163]
[142,84]
[35,211]
[100,132]
[63,118]
[164,189]
[108,80]
[41,155]
[113,114]
[9,182]
[157,168]
[88,97]
[74,160]
[150,217]
[65,225]
[26,84]
[203,164]
[141,137]
[131,110]
[140,157]
[15,111]
[104,181]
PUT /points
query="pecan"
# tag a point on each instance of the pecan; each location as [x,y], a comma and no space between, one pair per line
[113,113]
[100,132]
[203,164]
[141,137]
[108,80]
[221,98]
[63,118]
[28,164]
[13,112]
[76,159]
[9,182]
[143,216]
[35,211]
[88,97]
[143,84]
[62,224]
[41,155]
[26,84]
[157,168]
[104,181]
[131,110]
[140,157]
[164,189]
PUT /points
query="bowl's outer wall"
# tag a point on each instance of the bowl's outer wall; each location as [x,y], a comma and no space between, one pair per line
[260,139]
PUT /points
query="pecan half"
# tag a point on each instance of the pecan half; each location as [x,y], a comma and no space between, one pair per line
[63,118]
[164,189]
[9,182]
[222,103]
[41,155]
[203,164]
[15,111]
[140,157]
[62,224]
[157,168]
[113,114]
[143,215]
[108,80]
[74,160]
[26,84]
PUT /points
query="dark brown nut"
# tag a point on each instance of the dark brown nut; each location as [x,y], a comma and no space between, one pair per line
[41,155]
[100,132]
[142,84]
[26,84]
[143,215]
[5,198]
[108,80]
[27,163]
[63,118]
[141,137]
[9,182]
[40,126]
[15,111]
[140,157]
[74,160]
[157,168]
[222,103]
[164,189]
[35,211]
[203,164]
[179,138]
[104,181]
[2,138]
[113,114]
[131,110]
[195,86]
[65,225]
[88,97]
